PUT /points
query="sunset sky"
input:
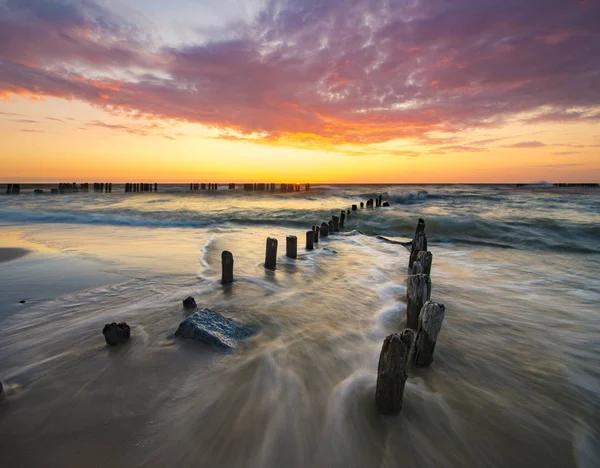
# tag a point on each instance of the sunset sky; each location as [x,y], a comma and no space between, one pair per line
[300,90]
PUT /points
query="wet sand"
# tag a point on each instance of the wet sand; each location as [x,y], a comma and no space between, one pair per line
[12,253]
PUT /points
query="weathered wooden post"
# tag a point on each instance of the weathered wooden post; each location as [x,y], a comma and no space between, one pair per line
[419,243]
[310,240]
[336,223]
[317,229]
[226,267]
[418,293]
[425,258]
[379,200]
[155,187]
[330,226]
[291,246]
[271,254]
[342,219]
[430,324]
[324,229]
[392,371]
[8,189]
[362,205]
[354,207]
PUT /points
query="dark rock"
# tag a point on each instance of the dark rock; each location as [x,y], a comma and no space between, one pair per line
[22,301]
[116,333]
[38,191]
[211,328]
[385,203]
[189,303]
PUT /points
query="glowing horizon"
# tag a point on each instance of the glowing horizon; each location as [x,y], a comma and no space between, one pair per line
[280,91]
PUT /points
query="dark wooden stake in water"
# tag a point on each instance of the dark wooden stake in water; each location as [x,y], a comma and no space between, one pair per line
[419,243]
[330,226]
[317,229]
[430,324]
[424,258]
[271,254]
[324,229]
[354,207]
[418,293]
[392,371]
[291,246]
[362,205]
[336,223]
[226,267]
[310,240]
[342,219]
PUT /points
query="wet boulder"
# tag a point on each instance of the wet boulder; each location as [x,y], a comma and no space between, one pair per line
[116,333]
[189,303]
[211,328]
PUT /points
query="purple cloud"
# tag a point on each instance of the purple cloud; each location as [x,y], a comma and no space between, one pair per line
[320,73]
[526,144]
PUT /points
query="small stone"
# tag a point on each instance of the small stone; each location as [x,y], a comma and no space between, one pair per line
[116,333]
[189,303]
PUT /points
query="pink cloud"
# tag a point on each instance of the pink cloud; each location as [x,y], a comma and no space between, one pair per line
[320,73]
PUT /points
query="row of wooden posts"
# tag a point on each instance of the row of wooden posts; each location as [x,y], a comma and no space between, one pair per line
[13,189]
[194,187]
[415,345]
[140,187]
[291,248]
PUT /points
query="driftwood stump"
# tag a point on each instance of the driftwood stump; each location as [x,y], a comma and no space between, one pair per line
[226,267]
[391,371]
[430,324]
[271,254]
[418,292]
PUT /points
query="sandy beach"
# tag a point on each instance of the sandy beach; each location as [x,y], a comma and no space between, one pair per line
[514,381]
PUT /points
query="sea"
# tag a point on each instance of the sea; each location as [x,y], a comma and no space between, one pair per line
[515,380]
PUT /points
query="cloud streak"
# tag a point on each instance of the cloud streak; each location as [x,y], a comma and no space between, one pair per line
[319,73]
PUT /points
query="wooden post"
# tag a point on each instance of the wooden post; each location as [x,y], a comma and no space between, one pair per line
[291,246]
[310,240]
[317,229]
[418,293]
[226,267]
[419,243]
[342,219]
[324,229]
[8,189]
[362,205]
[391,371]
[336,223]
[379,200]
[430,324]
[330,226]
[425,258]
[271,254]
[155,187]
